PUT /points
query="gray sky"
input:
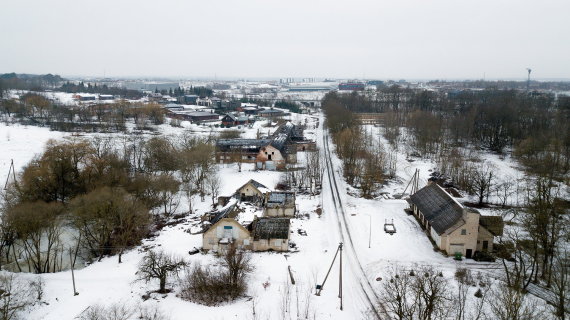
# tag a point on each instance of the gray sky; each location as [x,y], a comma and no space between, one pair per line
[419,39]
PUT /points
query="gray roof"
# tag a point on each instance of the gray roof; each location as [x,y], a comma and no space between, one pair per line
[255,184]
[279,141]
[233,144]
[437,207]
[270,228]
[494,224]
[272,111]
[200,113]
[222,213]
[280,198]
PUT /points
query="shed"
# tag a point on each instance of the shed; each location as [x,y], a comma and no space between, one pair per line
[270,234]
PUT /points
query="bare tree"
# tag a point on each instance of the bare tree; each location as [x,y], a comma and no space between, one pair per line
[561,285]
[483,179]
[38,227]
[482,295]
[237,263]
[397,293]
[159,265]
[432,290]
[213,185]
[507,303]
[16,296]
[523,254]
[464,282]
[505,190]
[545,222]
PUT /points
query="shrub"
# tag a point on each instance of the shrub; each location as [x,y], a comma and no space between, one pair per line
[214,285]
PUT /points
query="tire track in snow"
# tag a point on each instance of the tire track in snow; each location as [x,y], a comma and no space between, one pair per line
[369,294]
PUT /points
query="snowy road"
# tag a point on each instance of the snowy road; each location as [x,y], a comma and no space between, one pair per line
[362,295]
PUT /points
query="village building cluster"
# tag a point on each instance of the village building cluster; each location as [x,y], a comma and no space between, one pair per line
[272,152]
[269,231]
[231,113]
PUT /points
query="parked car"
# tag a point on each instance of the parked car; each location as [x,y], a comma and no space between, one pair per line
[483,256]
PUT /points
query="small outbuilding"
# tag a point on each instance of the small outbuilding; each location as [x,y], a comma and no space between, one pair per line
[270,234]
[252,191]
[279,204]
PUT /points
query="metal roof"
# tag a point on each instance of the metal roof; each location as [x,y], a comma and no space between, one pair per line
[494,224]
[243,142]
[223,212]
[280,198]
[437,207]
[270,228]
[255,184]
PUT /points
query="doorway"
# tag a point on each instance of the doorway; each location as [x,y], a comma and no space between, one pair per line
[468,253]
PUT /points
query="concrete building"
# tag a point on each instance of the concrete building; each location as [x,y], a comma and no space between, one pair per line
[280,149]
[263,234]
[270,234]
[194,116]
[225,232]
[453,227]
[252,191]
[279,204]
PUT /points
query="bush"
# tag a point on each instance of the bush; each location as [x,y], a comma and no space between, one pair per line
[230,134]
[121,311]
[209,286]
[214,285]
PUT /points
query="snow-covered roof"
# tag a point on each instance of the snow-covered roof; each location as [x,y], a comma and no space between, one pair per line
[280,198]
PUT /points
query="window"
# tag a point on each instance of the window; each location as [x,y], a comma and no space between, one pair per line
[246,242]
[463,232]
[485,245]
[278,242]
[228,232]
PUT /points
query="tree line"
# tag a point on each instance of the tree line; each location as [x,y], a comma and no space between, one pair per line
[108,193]
[27,82]
[81,87]
[365,162]
[36,109]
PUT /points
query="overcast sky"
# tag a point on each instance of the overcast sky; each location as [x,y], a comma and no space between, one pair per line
[398,39]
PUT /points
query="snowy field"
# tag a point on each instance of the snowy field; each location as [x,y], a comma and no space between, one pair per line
[368,250]
[21,143]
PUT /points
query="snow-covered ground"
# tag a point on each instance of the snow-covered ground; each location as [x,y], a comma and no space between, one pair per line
[367,255]
[21,143]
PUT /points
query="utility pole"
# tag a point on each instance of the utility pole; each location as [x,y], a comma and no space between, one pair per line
[12,171]
[72,273]
[320,287]
[369,230]
[340,276]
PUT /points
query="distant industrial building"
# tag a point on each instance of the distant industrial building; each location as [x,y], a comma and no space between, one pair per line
[194,116]
[150,86]
[351,86]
